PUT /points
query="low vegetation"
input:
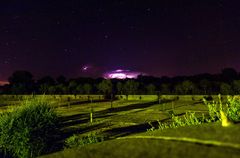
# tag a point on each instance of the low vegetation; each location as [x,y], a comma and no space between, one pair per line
[78,141]
[216,111]
[27,130]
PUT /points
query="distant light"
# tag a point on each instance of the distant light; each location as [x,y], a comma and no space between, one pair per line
[121,74]
[2,83]
[118,75]
[85,68]
[119,70]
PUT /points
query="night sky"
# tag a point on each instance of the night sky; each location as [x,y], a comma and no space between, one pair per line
[86,38]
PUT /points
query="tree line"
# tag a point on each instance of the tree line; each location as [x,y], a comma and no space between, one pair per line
[226,82]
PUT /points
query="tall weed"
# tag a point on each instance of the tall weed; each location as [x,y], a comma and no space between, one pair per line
[26,131]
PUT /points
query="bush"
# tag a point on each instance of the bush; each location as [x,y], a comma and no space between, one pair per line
[26,131]
[214,109]
[233,109]
[188,120]
[77,141]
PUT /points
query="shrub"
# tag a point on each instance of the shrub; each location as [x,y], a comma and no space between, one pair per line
[26,131]
[78,141]
[214,109]
[188,120]
[233,109]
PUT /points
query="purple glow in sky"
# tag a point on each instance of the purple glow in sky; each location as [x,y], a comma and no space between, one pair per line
[85,68]
[121,74]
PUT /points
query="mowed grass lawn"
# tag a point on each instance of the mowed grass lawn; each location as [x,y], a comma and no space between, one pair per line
[142,146]
[132,118]
[125,117]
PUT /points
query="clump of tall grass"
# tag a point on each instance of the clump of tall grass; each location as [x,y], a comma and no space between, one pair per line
[26,131]
[233,108]
[78,141]
[188,119]
[216,110]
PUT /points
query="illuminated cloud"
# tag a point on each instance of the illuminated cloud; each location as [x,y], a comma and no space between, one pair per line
[121,74]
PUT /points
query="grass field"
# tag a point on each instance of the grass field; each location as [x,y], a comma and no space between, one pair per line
[141,145]
[124,125]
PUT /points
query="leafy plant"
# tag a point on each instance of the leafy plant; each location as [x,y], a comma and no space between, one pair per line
[152,127]
[188,120]
[214,109]
[233,108]
[25,131]
[78,141]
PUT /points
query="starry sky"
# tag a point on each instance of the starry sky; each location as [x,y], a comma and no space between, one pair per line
[88,37]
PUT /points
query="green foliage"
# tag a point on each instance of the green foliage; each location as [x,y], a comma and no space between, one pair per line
[25,131]
[131,87]
[186,87]
[150,89]
[225,89]
[187,120]
[119,88]
[236,86]
[214,111]
[165,88]
[105,87]
[233,109]
[214,108]
[77,141]
[87,88]
[205,85]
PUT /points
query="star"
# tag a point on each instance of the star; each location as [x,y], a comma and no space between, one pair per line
[85,68]
[106,36]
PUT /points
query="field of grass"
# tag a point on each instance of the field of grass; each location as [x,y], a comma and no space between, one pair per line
[151,145]
[124,124]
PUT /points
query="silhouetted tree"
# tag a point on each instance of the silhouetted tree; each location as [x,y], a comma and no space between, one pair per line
[179,89]
[62,89]
[225,89]
[61,80]
[119,88]
[21,82]
[188,87]
[46,80]
[73,87]
[105,87]
[236,86]
[151,89]
[130,87]
[52,89]
[165,88]
[229,74]
[205,86]
[87,88]
[44,84]
[80,89]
